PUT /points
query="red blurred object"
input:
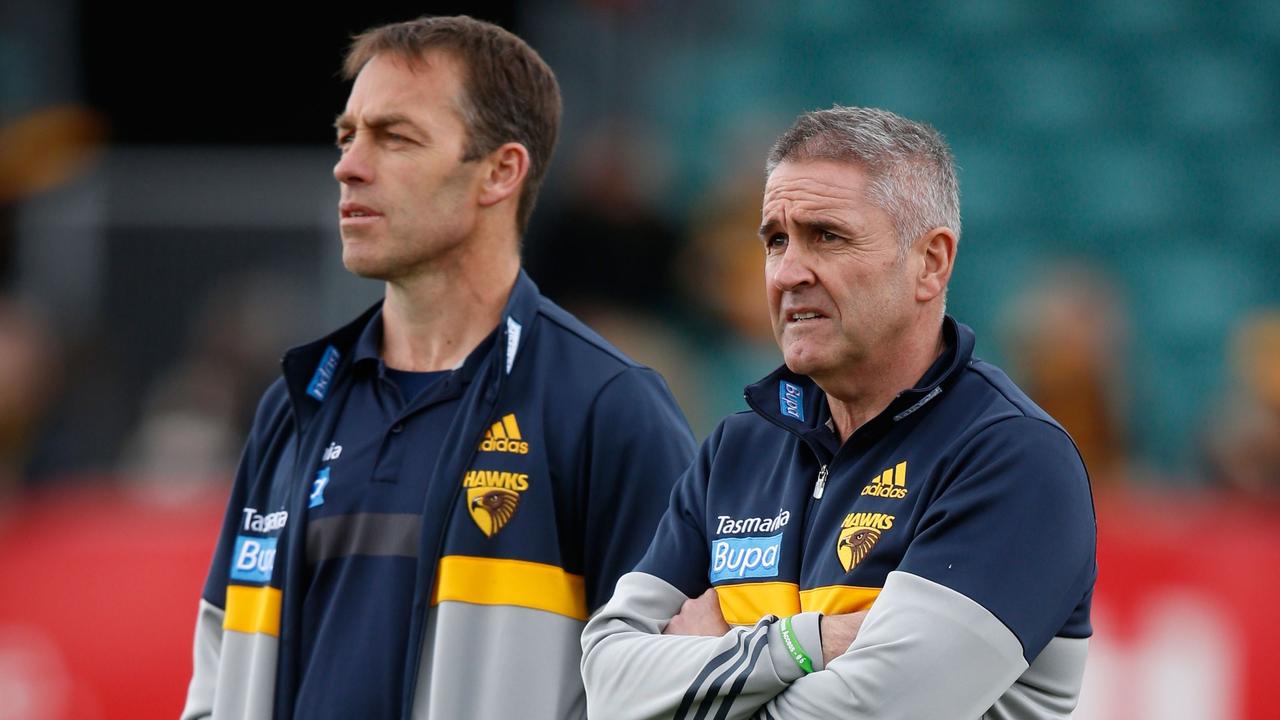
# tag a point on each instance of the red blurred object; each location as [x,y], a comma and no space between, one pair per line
[1186,609]
[100,587]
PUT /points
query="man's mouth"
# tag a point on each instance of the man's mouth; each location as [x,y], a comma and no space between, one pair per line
[803,316]
[350,210]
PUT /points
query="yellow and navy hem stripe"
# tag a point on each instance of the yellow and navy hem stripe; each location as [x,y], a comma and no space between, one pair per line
[253,609]
[745,603]
[498,581]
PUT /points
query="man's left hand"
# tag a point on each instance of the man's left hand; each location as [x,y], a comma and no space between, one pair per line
[699,616]
[838,633]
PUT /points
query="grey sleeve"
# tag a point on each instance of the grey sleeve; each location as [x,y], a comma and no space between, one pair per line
[1050,688]
[924,651]
[631,670]
[204,673]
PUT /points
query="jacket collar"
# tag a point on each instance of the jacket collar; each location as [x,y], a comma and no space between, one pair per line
[311,371]
[796,403]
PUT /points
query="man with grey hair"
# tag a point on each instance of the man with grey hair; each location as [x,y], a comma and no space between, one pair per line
[894,530]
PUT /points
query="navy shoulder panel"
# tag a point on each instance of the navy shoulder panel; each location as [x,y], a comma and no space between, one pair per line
[274,402]
[1013,529]
[1018,401]
[750,423]
[268,442]
[595,346]
[678,553]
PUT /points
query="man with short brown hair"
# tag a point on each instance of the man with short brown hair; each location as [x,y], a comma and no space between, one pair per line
[508,92]
[435,497]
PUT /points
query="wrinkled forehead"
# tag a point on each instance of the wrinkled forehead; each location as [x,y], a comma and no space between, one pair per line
[814,184]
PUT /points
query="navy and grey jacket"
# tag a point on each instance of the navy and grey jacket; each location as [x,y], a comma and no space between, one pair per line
[961,516]
[548,487]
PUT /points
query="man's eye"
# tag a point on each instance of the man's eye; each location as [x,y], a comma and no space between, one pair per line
[775,242]
[343,140]
[828,236]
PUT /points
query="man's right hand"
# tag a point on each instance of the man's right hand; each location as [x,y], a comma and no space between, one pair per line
[838,632]
[699,616]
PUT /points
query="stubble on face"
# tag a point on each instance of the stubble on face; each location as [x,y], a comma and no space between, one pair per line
[835,282]
[406,173]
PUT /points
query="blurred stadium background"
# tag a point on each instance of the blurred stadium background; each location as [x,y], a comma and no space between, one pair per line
[167,229]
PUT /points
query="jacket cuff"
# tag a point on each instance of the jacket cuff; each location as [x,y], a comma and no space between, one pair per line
[805,630]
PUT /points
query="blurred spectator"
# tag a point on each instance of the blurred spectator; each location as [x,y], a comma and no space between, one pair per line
[1066,339]
[651,340]
[42,150]
[722,273]
[723,268]
[606,239]
[28,376]
[195,415]
[45,147]
[1244,443]
[606,253]
[188,432]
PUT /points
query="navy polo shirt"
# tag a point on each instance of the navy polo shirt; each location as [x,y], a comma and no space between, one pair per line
[363,526]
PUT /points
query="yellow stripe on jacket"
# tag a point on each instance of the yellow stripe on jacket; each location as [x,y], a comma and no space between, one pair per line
[745,603]
[253,610]
[496,581]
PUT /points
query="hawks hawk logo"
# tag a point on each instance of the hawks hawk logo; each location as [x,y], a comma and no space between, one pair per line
[858,535]
[491,508]
[492,497]
[854,544]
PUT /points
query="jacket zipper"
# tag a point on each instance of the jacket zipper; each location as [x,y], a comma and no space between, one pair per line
[821,485]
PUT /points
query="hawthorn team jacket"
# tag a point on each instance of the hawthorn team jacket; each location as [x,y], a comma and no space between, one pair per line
[499,603]
[961,516]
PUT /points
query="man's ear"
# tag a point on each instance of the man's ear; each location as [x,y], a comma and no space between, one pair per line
[938,248]
[506,169]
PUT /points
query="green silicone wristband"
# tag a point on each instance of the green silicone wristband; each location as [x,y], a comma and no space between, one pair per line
[793,646]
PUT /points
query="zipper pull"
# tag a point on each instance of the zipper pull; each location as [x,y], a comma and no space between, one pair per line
[822,483]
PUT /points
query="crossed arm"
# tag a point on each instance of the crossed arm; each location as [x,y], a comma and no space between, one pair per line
[922,651]
[994,570]
[701,616]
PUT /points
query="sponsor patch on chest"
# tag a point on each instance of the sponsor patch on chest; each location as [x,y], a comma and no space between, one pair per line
[748,557]
[729,525]
[253,559]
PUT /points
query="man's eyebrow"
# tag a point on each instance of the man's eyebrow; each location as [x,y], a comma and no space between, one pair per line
[377,122]
[817,223]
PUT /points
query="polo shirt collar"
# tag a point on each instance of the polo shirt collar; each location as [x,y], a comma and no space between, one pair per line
[312,370]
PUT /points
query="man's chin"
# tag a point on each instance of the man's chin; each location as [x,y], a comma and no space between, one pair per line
[799,363]
[367,268]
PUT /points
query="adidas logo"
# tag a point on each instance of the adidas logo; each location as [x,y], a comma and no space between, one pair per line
[504,436]
[891,483]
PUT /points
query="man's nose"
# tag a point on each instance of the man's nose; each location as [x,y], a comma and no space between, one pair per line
[792,268]
[353,168]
